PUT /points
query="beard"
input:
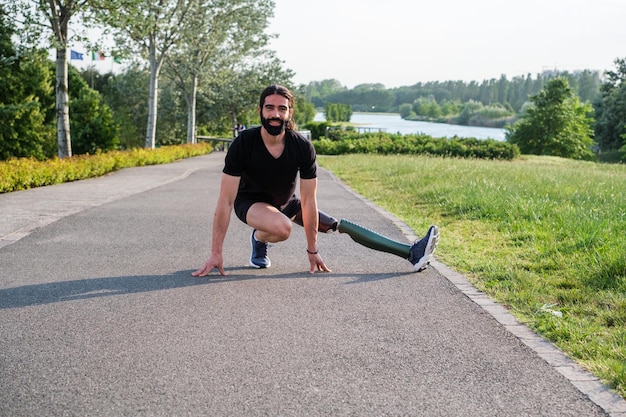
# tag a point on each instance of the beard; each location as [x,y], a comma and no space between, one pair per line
[274,130]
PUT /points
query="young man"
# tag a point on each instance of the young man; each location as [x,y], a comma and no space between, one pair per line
[259,182]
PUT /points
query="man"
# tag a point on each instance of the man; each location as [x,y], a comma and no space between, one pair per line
[259,180]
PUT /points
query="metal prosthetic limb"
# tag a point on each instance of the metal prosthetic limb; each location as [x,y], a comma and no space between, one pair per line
[326,224]
[373,240]
[418,254]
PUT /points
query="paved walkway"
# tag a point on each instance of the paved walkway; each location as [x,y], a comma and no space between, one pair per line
[100,316]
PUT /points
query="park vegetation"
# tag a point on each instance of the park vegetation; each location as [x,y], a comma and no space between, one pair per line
[209,52]
[207,95]
[336,112]
[342,142]
[539,234]
[24,173]
[493,103]
[555,123]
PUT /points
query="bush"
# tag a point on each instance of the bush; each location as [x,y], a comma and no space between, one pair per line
[24,173]
[346,142]
[318,129]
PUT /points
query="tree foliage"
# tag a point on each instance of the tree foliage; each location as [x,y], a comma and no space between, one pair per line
[235,97]
[555,124]
[94,128]
[512,93]
[365,97]
[25,108]
[317,91]
[52,18]
[150,29]
[225,35]
[127,96]
[610,126]
[336,112]
[304,112]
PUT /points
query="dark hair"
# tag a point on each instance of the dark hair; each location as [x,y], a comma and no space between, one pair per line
[281,91]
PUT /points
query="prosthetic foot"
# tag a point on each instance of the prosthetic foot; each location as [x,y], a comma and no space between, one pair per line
[418,254]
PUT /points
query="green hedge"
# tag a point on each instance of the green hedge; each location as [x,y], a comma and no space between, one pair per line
[386,144]
[24,173]
[318,129]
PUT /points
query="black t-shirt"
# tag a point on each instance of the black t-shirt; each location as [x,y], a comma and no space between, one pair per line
[263,177]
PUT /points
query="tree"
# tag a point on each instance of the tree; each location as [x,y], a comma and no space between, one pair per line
[304,111]
[95,128]
[555,124]
[57,15]
[364,97]
[224,35]
[318,91]
[25,83]
[234,97]
[336,112]
[126,94]
[610,126]
[470,109]
[406,110]
[151,28]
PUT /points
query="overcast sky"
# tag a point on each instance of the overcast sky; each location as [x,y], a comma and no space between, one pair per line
[402,42]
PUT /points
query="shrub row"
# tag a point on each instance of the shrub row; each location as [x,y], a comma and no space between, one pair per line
[24,173]
[386,144]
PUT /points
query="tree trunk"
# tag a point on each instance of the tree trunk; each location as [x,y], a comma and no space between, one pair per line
[153,96]
[191,111]
[64,141]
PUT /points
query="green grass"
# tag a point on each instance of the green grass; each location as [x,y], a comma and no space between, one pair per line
[536,234]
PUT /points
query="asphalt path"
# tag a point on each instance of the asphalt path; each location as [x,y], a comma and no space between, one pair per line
[100,316]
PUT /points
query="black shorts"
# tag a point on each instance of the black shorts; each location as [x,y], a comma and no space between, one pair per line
[242,205]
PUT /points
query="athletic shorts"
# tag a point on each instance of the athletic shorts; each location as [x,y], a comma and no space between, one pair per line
[242,205]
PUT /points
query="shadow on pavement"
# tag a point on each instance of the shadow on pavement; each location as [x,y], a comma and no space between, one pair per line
[55,292]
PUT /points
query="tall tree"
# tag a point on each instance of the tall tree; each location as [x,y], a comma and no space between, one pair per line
[127,95]
[224,34]
[610,126]
[25,83]
[150,28]
[238,95]
[95,128]
[555,124]
[53,16]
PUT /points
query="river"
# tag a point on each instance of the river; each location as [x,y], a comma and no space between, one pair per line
[393,123]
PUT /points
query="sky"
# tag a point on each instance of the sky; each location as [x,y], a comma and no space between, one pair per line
[403,42]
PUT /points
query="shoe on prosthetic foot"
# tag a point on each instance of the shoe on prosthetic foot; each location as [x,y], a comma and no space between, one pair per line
[259,258]
[422,250]
[418,254]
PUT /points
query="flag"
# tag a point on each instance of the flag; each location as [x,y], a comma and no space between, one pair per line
[76,55]
[98,56]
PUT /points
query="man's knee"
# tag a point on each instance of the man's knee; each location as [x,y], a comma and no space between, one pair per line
[275,232]
[282,231]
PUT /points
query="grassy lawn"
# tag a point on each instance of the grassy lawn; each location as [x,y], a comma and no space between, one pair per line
[544,236]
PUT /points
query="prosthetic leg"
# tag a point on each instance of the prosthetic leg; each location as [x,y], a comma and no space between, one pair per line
[419,253]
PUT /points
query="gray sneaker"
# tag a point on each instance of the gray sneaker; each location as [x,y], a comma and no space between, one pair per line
[422,250]
[259,258]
